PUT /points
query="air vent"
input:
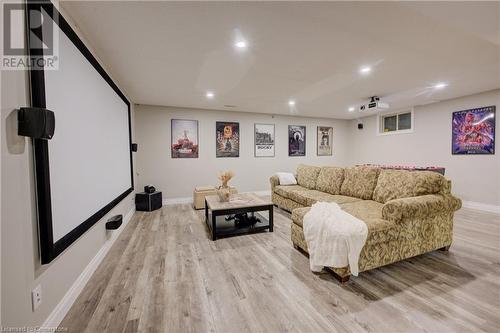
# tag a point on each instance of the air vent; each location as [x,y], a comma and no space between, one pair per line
[229,106]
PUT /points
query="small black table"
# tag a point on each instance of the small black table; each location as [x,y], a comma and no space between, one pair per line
[239,204]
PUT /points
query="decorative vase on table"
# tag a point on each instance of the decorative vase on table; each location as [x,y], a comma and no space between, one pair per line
[224,191]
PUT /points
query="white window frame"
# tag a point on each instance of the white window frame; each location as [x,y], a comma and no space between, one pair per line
[380,122]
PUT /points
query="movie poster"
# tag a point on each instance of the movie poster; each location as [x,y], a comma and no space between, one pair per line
[184,138]
[264,140]
[325,141]
[296,140]
[227,139]
[473,131]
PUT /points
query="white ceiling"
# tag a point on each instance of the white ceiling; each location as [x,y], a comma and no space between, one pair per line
[172,53]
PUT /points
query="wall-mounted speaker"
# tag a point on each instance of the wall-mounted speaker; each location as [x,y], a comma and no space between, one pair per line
[114,223]
[36,123]
[134,147]
[360,126]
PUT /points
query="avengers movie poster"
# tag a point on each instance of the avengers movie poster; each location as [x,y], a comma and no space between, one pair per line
[473,131]
[227,139]
[184,138]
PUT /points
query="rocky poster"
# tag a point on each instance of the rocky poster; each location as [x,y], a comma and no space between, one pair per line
[264,140]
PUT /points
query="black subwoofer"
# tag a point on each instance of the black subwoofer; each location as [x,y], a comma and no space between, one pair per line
[147,202]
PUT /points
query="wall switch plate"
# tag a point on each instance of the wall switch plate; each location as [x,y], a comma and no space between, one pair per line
[36,297]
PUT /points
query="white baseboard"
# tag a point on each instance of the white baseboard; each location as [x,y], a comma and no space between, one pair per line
[481,206]
[177,201]
[62,308]
[185,200]
[260,193]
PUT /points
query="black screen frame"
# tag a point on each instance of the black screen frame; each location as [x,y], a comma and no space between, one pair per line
[49,249]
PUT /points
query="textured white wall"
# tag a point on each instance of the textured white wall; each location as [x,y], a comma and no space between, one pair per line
[178,177]
[474,178]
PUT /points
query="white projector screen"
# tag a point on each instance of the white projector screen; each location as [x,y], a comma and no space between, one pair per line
[89,165]
[89,153]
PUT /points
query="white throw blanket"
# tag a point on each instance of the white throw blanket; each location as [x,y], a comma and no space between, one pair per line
[334,237]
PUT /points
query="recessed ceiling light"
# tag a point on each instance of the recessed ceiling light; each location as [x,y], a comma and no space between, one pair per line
[440,85]
[351,109]
[291,102]
[210,94]
[241,44]
[365,69]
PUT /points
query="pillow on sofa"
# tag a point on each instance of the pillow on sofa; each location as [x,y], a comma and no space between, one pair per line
[330,180]
[359,182]
[397,184]
[307,175]
[286,178]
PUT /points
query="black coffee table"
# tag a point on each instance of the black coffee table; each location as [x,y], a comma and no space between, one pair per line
[217,211]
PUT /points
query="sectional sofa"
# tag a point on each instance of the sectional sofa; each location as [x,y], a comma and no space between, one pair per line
[407,213]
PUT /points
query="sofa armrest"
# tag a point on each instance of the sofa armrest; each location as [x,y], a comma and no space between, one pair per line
[275,181]
[420,207]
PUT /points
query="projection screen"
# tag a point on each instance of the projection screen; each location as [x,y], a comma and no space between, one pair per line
[86,168]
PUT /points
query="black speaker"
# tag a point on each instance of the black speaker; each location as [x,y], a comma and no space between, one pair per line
[114,223]
[360,126]
[148,202]
[36,123]
[134,147]
[149,189]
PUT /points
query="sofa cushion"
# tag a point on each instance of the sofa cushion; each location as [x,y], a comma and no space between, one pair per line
[330,180]
[396,184]
[286,178]
[310,197]
[288,191]
[359,182]
[307,175]
[370,212]
[364,209]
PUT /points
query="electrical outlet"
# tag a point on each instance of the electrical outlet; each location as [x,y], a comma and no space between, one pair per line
[36,297]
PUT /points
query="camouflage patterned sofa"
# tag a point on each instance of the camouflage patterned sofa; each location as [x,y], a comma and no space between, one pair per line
[407,213]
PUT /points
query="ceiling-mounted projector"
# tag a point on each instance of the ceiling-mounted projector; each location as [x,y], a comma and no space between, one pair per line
[374,105]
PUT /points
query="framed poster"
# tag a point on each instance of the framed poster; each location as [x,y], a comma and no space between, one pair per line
[264,140]
[296,140]
[473,131]
[324,141]
[184,138]
[227,137]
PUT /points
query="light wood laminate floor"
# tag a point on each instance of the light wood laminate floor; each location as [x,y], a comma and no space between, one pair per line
[164,274]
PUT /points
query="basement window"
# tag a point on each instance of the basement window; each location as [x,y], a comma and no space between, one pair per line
[395,123]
